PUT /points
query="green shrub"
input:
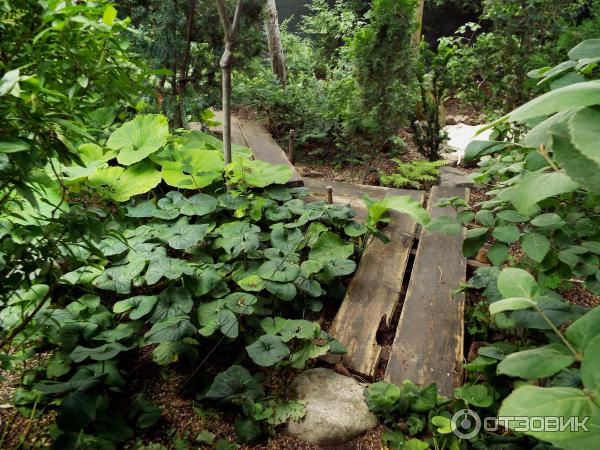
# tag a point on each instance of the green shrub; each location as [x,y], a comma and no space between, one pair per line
[383,58]
[491,67]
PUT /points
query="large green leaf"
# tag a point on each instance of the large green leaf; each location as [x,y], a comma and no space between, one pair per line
[278,270]
[259,173]
[589,48]
[182,236]
[164,266]
[507,233]
[193,169]
[573,96]
[235,383]
[139,138]
[172,329]
[268,350]
[537,186]
[584,329]
[330,247]
[173,301]
[101,353]
[138,306]
[475,394]
[533,401]
[513,282]
[287,240]
[539,362]
[199,205]
[584,129]
[399,203]
[590,366]
[239,237]
[511,304]
[582,166]
[536,246]
[121,184]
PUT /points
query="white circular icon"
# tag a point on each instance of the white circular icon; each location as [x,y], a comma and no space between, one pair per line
[466,424]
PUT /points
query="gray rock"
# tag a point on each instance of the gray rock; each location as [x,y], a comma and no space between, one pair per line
[335,407]
[451,120]
[455,177]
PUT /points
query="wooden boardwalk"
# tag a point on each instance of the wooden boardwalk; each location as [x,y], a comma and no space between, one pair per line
[399,318]
[253,135]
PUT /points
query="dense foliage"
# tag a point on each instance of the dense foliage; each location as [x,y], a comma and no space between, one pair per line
[544,200]
[492,64]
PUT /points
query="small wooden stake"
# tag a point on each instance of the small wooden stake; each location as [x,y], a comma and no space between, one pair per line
[291,141]
[329,195]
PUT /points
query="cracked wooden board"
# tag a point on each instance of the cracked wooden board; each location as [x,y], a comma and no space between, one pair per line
[374,292]
[428,346]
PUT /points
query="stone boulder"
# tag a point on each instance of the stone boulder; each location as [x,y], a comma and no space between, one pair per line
[456,177]
[335,407]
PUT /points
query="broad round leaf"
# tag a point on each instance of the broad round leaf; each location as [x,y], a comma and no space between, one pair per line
[268,350]
[583,330]
[121,184]
[278,270]
[329,247]
[533,401]
[139,138]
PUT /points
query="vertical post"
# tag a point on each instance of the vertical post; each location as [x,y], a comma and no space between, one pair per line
[329,195]
[226,75]
[291,142]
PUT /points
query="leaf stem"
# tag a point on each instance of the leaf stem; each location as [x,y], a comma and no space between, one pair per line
[559,334]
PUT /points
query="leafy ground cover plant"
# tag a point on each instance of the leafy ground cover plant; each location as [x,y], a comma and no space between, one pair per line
[184,272]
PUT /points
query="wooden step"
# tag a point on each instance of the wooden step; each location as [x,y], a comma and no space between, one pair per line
[428,346]
[350,194]
[374,291]
[265,148]
[252,134]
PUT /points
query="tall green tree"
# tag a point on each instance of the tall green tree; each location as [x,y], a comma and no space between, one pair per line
[384,59]
[183,41]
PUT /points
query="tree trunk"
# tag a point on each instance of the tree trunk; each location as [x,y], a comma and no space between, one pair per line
[185,64]
[230,30]
[274,41]
[419,22]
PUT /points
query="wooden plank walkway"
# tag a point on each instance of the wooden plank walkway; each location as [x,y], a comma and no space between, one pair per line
[253,135]
[428,346]
[374,292]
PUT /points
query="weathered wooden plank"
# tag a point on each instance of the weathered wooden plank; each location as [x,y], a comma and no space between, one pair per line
[350,194]
[353,190]
[265,148]
[428,346]
[374,293]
